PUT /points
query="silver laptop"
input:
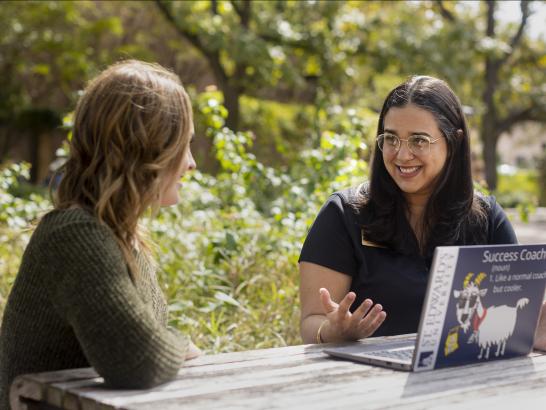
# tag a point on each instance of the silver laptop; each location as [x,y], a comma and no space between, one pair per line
[482,303]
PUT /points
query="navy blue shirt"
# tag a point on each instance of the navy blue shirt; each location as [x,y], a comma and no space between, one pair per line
[396,281]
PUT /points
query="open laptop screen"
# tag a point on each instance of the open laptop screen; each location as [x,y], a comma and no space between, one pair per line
[482,304]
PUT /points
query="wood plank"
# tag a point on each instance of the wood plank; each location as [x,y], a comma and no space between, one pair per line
[34,386]
[35,405]
[293,377]
[54,396]
[318,399]
[379,384]
[56,391]
[378,392]
[235,360]
[309,374]
[231,363]
[514,398]
[87,404]
[204,385]
[64,375]
[228,368]
[71,401]
[24,387]
[283,351]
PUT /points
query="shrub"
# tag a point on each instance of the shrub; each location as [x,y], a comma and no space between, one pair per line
[228,253]
[519,190]
[16,216]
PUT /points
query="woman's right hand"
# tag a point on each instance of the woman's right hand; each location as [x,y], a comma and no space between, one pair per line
[342,325]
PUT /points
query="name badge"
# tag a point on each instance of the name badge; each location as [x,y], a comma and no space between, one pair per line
[369,243]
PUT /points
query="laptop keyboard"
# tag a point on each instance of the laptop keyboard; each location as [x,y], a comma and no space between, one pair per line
[404,353]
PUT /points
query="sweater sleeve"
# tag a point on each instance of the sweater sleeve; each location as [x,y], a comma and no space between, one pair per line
[90,287]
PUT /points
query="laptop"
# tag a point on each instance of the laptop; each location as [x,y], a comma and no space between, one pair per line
[482,304]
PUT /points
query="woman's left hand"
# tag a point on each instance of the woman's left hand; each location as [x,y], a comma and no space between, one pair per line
[342,325]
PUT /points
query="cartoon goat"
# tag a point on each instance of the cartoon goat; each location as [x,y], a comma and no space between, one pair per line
[491,326]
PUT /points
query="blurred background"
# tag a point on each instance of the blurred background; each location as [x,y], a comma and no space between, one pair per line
[286,97]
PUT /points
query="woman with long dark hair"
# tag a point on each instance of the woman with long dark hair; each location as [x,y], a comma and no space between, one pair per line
[374,243]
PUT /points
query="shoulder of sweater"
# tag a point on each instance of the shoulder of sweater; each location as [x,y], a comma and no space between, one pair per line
[61,219]
[74,227]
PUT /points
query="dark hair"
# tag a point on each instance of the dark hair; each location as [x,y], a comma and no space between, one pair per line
[453,214]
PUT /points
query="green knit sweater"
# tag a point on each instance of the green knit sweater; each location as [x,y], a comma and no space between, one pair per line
[73,304]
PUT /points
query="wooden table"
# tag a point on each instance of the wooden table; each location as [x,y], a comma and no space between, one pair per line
[297,377]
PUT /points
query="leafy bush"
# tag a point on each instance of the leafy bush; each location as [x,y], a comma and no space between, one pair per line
[519,188]
[16,214]
[228,253]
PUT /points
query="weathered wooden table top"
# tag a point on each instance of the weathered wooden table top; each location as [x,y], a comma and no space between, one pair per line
[297,377]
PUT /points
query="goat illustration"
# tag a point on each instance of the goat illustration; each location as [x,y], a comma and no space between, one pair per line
[491,326]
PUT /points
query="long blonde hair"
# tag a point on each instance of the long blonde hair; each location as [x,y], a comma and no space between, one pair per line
[132,127]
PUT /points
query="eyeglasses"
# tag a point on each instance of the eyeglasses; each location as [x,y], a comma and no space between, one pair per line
[418,144]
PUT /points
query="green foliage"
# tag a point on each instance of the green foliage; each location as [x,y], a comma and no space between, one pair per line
[16,209]
[520,191]
[228,253]
[277,128]
[276,43]
[42,54]
[310,77]
[521,187]
[16,214]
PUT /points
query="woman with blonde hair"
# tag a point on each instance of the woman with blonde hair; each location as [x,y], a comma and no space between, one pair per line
[86,293]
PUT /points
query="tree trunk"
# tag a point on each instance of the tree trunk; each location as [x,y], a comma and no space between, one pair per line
[489,134]
[489,151]
[542,178]
[41,149]
[231,102]
[5,142]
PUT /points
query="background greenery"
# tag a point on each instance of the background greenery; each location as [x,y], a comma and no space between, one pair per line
[286,96]
[228,253]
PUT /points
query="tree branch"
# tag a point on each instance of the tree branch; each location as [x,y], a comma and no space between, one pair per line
[448,15]
[212,56]
[192,38]
[514,42]
[276,39]
[244,15]
[236,7]
[532,113]
[490,30]
[491,70]
[243,12]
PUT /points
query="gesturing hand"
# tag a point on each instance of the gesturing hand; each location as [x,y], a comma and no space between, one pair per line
[343,325]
